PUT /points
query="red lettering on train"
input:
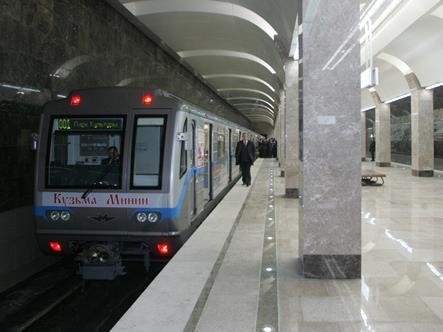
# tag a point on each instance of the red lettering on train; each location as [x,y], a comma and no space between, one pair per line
[73,200]
[112,199]
[115,199]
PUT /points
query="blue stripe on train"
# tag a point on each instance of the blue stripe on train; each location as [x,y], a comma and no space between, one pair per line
[166,213]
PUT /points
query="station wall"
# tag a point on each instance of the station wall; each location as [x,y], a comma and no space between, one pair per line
[401,129]
[47,49]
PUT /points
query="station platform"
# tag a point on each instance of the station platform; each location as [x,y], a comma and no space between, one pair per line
[239,271]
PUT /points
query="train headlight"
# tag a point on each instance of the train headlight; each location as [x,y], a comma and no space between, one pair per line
[54,215]
[65,215]
[153,217]
[142,217]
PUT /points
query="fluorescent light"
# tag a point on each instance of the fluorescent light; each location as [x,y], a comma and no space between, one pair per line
[367,109]
[397,98]
[372,9]
[433,86]
[19,88]
[388,11]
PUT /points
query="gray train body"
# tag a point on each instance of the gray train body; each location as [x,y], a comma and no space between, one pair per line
[175,161]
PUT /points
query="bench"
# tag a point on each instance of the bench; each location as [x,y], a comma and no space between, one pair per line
[372,178]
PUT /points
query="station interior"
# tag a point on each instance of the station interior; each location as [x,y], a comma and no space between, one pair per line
[339,228]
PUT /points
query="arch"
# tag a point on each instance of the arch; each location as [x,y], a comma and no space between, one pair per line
[246,77]
[130,80]
[375,96]
[251,98]
[140,8]
[69,66]
[248,90]
[261,118]
[252,105]
[404,68]
[228,53]
[257,111]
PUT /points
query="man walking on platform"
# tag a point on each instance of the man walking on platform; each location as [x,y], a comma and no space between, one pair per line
[245,157]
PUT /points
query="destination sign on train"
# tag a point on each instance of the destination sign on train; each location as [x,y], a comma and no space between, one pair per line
[89,124]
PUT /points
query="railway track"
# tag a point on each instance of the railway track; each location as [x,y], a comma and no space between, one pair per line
[59,300]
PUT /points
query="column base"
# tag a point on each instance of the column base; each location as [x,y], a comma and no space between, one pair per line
[292,193]
[331,266]
[282,173]
[383,164]
[424,174]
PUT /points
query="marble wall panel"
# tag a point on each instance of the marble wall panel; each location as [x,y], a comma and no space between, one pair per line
[363,136]
[438,128]
[401,131]
[370,129]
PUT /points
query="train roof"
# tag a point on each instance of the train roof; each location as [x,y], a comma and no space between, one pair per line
[115,97]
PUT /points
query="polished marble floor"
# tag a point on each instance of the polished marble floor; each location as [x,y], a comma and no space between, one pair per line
[401,288]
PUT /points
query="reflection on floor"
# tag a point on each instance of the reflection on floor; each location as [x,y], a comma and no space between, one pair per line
[402,243]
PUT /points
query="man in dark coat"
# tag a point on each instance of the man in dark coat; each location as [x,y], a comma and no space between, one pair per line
[245,156]
[273,148]
[372,149]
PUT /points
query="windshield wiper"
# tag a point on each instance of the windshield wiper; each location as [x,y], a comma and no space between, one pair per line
[97,181]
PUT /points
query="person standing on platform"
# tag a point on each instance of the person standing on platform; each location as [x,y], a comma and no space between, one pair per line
[273,148]
[245,156]
[372,149]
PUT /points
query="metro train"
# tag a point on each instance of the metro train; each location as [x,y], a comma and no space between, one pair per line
[128,173]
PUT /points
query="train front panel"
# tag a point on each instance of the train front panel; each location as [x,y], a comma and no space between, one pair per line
[105,173]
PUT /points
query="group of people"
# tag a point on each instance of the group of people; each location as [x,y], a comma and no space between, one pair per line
[267,148]
[245,154]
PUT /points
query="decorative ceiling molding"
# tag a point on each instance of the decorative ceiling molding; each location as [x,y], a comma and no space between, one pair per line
[248,90]
[227,53]
[246,77]
[141,8]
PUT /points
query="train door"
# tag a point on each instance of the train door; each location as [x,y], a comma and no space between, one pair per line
[205,164]
[210,166]
[194,166]
[230,155]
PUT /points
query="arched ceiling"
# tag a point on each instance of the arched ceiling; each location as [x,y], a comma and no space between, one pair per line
[237,46]
[410,40]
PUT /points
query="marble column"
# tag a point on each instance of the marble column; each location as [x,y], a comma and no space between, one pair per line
[281,139]
[422,132]
[292,164]
[330,201]
[276,131]
[382,134]
[363,136]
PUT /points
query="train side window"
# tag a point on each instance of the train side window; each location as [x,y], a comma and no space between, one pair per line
[148,151]
[221,146]
[183,153]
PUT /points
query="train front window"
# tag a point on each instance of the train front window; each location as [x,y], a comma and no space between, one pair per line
[148,152]
[85,153]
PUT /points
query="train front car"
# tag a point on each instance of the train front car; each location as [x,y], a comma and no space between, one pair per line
[106,185]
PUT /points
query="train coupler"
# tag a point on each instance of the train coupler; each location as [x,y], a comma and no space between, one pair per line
[100,262]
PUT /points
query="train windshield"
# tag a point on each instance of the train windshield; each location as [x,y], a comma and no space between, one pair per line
[148,152]
[85,153]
